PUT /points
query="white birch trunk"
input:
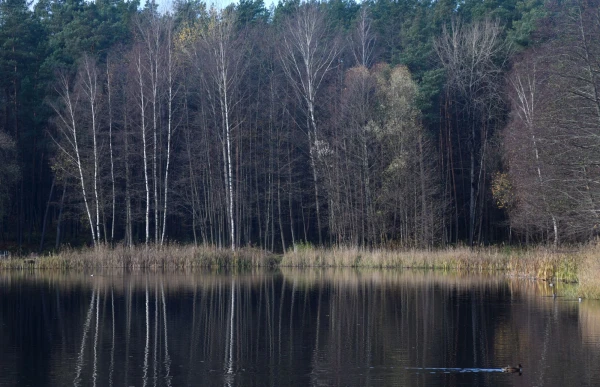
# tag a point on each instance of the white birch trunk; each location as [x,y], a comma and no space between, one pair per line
[69,129]
[171,93]
[91,90]
[526,95]
[145,156]
[110,145]
[229,173]
[306,57]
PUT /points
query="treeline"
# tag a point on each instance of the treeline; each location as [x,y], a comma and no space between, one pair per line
[387,123]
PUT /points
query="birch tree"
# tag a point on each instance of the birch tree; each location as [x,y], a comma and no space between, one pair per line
[68,139]
[307,53]
[224,68]
[527,84]
[363,39]
[472,56]
[151,33]
[109,94]
[142,105]
[171,91]
[89,81]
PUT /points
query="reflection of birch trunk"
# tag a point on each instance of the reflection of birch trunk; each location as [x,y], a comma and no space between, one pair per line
[147,347]
[282,297]
[95,374]
[155,351]
[315,355]
[112,349]
[167,357]
[193,341]
[86,328]
[292,316]
[229,352]
[128,330]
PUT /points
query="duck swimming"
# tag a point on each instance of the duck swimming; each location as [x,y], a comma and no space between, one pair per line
[518,369]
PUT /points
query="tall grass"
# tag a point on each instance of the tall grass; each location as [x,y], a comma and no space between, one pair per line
[577,265]
[580,266]
[589,273]
[539,262]
[165,257]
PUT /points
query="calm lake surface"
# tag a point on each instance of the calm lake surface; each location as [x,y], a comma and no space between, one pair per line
[292,327]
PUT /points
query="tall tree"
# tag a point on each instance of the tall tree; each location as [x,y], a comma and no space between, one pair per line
[473,56]
[308,51]
[70,140]
[219,44]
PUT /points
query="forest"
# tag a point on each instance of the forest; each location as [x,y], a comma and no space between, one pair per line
[386,123]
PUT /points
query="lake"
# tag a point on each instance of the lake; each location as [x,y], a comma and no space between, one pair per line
[290,327]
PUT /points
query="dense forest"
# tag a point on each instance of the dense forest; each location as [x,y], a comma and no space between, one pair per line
[407,123]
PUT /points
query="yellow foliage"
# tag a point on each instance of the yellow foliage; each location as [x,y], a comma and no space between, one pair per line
[502,190]
[187,36]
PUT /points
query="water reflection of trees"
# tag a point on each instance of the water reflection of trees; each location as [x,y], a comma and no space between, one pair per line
[332,327]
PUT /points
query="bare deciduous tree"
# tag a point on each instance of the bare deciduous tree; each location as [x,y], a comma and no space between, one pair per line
[472,56]
[68,141]
[222,53]
[363,39]
[307,54]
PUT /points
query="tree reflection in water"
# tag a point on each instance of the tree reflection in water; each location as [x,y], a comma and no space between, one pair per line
[290,327]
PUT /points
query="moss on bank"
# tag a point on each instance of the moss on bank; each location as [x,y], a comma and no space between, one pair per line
[575,265]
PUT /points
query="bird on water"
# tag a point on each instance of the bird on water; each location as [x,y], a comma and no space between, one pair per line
[518,369]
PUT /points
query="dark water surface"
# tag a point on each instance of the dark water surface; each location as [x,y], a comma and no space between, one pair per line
[292,327]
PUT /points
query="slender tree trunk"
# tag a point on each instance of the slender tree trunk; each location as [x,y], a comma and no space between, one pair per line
[424,215]
[128,217]
[145,156]
[527,103]
[110,145]
[171,96]
[472,190]
[91,89]
[290,201]
[313,144]
[69,120]
[59,219]
[229,174]
[46,215]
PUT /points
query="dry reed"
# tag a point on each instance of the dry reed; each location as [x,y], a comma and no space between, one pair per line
[577,265]
[173,256]
[541,263]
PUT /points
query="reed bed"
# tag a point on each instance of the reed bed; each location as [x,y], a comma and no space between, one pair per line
[576,265]
[580,265]
[453,258]
[540,263]
[589,274]
[141,257]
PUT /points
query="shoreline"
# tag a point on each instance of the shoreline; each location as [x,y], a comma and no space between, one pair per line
[579,265]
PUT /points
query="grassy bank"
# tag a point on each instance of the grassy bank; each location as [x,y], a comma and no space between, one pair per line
[539,262]
[575,265]
[142,257]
